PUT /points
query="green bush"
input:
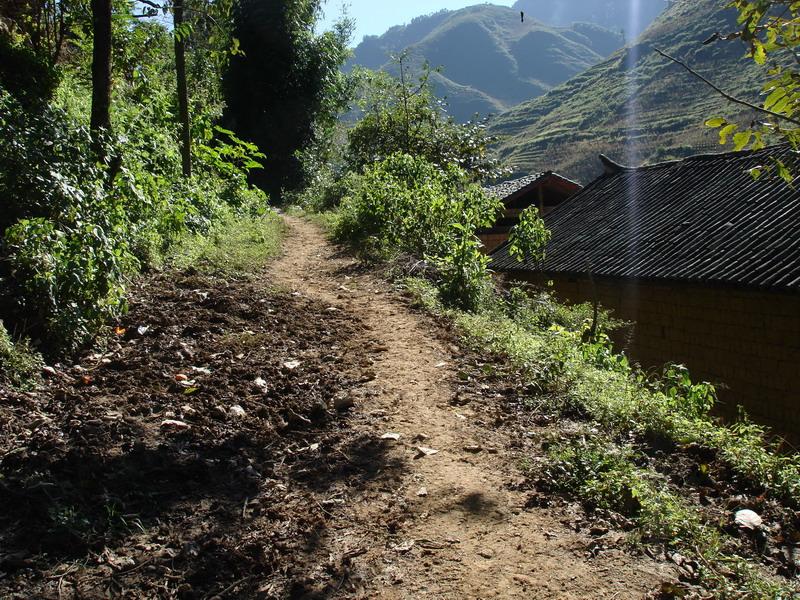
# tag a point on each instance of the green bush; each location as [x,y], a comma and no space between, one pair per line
[64,233]
[71,234]
[402,115]
[70,274]
[405,204]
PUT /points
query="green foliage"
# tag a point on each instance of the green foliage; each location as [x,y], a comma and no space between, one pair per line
[284,91]
[238,244]
[529,236]
[64,234]
[25,75]
[70,273]
[539,310]
[73,231]
[405,204]
[19,363]
[404,116]
[770,29]
[693,399]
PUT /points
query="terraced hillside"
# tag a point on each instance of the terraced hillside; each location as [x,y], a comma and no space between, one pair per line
[635,106]
[631,17]
[491,60]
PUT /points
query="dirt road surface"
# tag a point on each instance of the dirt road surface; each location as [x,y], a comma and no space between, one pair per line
[303,433]
[444,525]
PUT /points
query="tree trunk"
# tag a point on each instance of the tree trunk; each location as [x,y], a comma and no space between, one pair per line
[183,92]
[101,73]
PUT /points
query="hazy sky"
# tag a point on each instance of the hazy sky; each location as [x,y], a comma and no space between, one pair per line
[373,17]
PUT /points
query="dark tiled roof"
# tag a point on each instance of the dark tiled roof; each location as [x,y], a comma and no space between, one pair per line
[703,219]
[507,189]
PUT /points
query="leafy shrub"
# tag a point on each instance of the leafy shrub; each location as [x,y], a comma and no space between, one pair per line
[539,310]
[63,232]
[603,476]
[407,204]
[529,236]
[71,236]
[26,76]
[44,162]
[70,274]
[692,399]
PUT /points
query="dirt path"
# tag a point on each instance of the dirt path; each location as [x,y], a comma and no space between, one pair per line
[447,525]
[226,440]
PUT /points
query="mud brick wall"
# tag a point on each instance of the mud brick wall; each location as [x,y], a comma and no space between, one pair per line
[491,241]
[747,342]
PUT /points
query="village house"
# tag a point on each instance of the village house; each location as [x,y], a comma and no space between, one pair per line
[544,190]
[703,259]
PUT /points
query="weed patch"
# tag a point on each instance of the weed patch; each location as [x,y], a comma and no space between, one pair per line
[20,364]
[235,246]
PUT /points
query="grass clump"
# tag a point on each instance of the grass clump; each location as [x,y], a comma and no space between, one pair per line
[237,245]
[20,364]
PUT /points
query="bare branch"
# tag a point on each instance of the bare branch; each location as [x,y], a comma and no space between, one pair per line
[151,4]
[725,94]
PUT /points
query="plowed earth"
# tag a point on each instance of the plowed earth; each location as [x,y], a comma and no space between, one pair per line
[230,440]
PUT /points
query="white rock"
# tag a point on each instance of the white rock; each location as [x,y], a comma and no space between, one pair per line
[173,424]
[424,451]
[237,412]
[747,519]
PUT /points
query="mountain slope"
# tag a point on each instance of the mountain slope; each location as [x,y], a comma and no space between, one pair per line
[635,106]
[490,59]
[630,17]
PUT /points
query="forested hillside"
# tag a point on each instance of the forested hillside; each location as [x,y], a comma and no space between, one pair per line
[490,59]
[635,106]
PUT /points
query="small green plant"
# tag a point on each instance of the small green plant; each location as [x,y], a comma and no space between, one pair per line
[529,237]
[693,399]
[19,363]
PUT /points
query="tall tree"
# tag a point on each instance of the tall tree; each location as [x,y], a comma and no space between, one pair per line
[286,89]
[183,92]
[101,73]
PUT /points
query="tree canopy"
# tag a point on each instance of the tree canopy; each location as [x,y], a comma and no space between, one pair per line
[285,90]
[770,30]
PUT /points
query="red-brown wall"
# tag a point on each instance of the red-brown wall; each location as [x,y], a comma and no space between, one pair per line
[746,341]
